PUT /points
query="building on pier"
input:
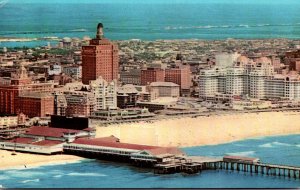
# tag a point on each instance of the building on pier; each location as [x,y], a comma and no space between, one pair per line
[45,140]
[241,159]
[110,148]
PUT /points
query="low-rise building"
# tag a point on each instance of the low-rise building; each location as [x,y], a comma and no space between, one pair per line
[127,96]
[74,71]
[136,113]
[79,103]
[45,140]
[132,76]
[164,89]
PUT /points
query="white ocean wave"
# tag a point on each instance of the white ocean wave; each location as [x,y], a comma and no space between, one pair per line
[79,30]
[267,145]
[225,26]
[274,144]
[57,176]
[86,174]
[244,25]
[246,153]
[30,180]
[281,144]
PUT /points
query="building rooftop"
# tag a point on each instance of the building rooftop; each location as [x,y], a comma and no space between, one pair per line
[126,89]
[109,142]
[113,142]
[165,84]
[49,132]
[35,95]
[24,140]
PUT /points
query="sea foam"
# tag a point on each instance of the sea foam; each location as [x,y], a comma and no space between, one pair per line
[86,174]
[274,144]
[30,180]
[246,153]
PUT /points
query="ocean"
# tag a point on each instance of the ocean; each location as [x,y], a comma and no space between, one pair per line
[198,20]
[91,173]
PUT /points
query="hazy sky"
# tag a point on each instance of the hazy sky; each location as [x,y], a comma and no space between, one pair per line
[161,1]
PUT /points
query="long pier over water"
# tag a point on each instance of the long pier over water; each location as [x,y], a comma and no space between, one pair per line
[243,164]
[167,160]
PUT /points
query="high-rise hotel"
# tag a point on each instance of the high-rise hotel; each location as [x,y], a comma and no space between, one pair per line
[100,58]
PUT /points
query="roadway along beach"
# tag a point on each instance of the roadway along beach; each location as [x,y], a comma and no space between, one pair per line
[183,132]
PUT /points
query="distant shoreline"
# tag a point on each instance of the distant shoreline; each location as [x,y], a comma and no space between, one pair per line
[54,38]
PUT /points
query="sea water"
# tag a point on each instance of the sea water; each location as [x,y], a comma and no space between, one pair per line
[91,173]
[122,21]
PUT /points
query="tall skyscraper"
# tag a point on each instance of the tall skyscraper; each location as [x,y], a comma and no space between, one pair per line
[100,58]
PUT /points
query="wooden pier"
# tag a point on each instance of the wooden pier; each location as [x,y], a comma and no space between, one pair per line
[257,168]
[197,164]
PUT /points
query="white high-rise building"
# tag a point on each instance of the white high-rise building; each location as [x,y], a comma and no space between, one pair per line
[245,77]
[211,81]
[262,70]
[235,81]
[283,86]
[105,94]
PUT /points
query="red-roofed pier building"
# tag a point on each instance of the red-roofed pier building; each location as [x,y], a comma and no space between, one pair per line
[110,148]
[45,140]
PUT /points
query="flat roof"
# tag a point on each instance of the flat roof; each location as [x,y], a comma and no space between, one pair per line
[49,131]
[105,143]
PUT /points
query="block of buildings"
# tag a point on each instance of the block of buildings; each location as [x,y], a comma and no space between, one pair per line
[76,99]
[20,83]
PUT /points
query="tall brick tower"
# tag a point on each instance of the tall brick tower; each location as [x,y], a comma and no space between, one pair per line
[100,58]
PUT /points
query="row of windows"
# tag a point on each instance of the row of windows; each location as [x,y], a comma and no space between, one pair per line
[97,150]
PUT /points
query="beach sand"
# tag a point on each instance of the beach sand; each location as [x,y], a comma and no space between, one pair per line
[183,132]
[216,129]
[26,160]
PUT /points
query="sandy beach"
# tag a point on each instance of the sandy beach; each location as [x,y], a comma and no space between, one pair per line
[183,132]
[26,160]
[216,129]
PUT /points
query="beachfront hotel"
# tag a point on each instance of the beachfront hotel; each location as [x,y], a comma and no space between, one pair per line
[100,58]
[254,79]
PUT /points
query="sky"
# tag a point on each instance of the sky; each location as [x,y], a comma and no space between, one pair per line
[160,1]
